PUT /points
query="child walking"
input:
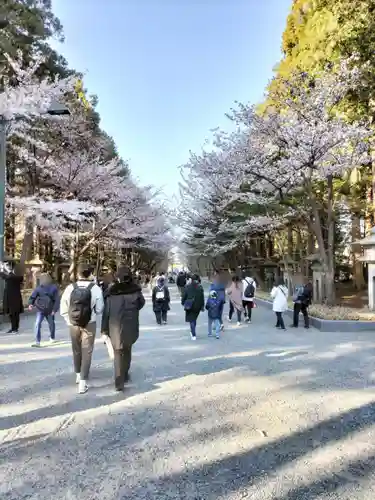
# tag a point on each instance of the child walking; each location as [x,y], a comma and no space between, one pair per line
[214,307]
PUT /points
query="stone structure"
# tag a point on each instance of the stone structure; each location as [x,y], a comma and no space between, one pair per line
[319,289]
[368,245]
[290,272]
[33,270]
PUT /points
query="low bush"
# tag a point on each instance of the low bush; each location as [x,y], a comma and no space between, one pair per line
[341,313]
[325,312]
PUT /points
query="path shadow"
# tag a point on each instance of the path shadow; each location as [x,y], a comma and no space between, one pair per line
[220,478]
[228,475]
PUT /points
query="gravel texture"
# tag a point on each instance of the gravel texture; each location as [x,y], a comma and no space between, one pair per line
[259,414]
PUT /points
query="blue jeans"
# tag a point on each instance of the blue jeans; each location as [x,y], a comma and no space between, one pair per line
[214,324]
[221,314]
[193,327]
[38,325]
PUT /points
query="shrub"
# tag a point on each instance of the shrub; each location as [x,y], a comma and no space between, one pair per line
[341,313]
[325,312]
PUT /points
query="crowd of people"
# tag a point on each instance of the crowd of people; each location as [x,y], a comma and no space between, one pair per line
[117,301]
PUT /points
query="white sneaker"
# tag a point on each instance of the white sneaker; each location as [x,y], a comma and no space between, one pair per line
[238,323]
[36,344]
[229,320]
[52,341]
[193,337]
[222,327]
[78,378]
[82,387]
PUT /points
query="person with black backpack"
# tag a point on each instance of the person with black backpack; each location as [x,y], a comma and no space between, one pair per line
[302,299]
[45,298]
[249,287]
[81,303]
[160,301]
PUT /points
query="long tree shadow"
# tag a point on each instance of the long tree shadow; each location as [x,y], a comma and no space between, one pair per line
[209,481]
[351,474]
[342,373]
[228,475]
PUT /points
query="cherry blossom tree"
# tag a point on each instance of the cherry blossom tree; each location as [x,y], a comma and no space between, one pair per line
[27,96]
[248,180]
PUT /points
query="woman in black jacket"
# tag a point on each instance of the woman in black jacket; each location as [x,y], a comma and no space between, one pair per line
[193,302]
[120,322]
[12,298]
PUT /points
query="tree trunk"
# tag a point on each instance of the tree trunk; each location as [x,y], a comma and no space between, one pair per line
[74,255]
[27,244]
[358,279]
[290,242]
[330,263]
[316,227]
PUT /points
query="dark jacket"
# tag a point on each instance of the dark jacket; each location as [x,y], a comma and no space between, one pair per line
[121,314]
[193,292]
[303,295]
[307,295]
[181,280]
[12,298]
[161,305]
[42,291]
[214,308]
[219,288]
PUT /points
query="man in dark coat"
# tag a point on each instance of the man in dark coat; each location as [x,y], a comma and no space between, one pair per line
[181,282]
[160,301]
[193,302]
[120,321]
[12,298]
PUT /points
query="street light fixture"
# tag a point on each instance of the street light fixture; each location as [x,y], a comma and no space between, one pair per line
[3,23]
[55,109]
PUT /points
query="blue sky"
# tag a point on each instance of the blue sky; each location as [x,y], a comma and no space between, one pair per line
[166,71]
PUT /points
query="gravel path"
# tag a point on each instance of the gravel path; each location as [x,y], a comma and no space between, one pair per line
[258,414]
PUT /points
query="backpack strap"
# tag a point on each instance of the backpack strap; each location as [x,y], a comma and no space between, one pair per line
[91,286]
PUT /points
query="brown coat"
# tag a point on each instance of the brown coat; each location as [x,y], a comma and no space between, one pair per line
[235,292]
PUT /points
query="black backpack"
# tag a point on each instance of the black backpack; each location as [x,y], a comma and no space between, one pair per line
[249,291]
[80,305]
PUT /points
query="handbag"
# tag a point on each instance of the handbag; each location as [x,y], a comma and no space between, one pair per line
[188,304]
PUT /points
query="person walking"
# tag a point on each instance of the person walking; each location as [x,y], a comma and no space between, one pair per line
[214,307]
[45,298]
[120,322]
[219,288]
[80,305]
[279,294]
[193,302]
[302,299]
[12,298]
[181,282]
[235,292]
[160,301]
[249,288]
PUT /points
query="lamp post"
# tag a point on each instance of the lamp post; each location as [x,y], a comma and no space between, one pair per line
[3,22]
[55,109]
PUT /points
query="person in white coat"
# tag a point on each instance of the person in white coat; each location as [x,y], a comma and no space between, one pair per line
[279,294]
[249,287]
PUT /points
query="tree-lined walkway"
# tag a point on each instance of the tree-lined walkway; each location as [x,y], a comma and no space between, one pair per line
[261,414]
